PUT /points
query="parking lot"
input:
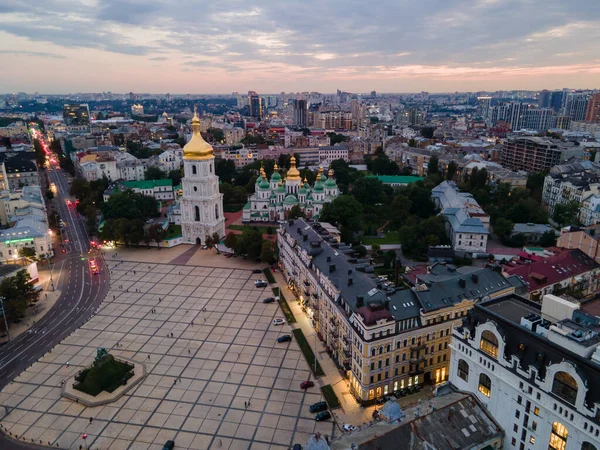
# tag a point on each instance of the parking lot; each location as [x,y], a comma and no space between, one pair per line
[217,377]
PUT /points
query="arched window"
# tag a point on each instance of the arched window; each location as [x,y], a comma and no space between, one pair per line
[380,350]
[489,343]
[588,446]
[194,171]
[485,385]
[210,168]
[463,369]
[558,437]
[565,386]
[372,352]
[389,347]
[197,213]
[217,211]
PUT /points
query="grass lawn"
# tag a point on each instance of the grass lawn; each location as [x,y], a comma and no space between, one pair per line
[330,397]
[261,228]
[269,275]
[391,237]
[285,308]
[173,231]
[308,353]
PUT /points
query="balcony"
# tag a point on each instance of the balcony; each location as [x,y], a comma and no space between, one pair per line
[306,283]
[417,360]
[347,353]
[418,346]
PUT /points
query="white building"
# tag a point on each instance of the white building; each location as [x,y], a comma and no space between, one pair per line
[535,367]
[159,189]
[202,203]
[171,159]
[571,182]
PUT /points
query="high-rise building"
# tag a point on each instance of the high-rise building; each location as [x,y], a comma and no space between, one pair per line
[557,100]
[544,99]
[534,154]
[76,114]
[592,114]
[576,106]
[256,105]
[484,104]
[300,113]
[201,204]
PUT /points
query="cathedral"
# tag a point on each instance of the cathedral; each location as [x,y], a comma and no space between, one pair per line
[273,199]
[201,203]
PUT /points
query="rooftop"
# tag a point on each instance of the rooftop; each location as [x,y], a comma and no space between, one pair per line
[396,179]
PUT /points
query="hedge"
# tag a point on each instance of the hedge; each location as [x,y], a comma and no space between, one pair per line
[308,353]
[330,397]
[269,275]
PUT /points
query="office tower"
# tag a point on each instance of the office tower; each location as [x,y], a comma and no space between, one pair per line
[484,105]
[544,99]
[76,114]
[556,100]
[373,93]
[300,113]
[256,105]
[593,109]
[416,117]
[576,106]
[532,154]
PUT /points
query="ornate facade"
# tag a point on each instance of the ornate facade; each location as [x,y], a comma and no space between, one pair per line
[273,199]
[201,203]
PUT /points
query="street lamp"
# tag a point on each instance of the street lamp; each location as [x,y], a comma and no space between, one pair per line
[4,314]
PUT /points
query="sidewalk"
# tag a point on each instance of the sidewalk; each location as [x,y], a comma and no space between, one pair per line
[47,300]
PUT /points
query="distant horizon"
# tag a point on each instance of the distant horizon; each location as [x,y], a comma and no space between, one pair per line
[438,46]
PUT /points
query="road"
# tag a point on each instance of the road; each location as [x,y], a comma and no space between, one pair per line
[81,294]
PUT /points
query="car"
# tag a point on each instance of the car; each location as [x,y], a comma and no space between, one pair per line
[324,415]
[257,271]
[169,445]
[348,427]
[269,300]
[306,384]
[318,407]
[260,283]
[284,338]
[278,321]
[297,447]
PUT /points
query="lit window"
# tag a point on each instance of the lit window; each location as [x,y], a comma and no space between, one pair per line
[565,386]
[485,385]
[489,344]
[558,437]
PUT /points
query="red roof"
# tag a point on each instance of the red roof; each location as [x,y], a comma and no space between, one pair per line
[414,272]
[371,316]
[551,270]
[529,257]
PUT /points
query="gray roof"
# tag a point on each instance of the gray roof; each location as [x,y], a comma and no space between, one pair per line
[536,228]
[461,222]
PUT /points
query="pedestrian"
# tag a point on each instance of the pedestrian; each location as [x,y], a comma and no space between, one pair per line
[192,323]
[188,350]
[113,297]
[245,404]
[229,375]
[148,356]
[220,443]
[248,402]
[171,334]
[91,420]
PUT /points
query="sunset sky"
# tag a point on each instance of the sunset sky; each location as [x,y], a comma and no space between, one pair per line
[195,46]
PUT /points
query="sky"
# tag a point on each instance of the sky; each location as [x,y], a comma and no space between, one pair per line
[270,46]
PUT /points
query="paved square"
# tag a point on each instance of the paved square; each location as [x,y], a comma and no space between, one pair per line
[210,348]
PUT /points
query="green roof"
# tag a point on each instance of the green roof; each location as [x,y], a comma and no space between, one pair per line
[247,206]
[396,179]
[147,184]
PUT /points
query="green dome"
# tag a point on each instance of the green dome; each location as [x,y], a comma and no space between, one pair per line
[275,176]
[302,191]
[290,200]
[309,197]
[280,190]
[330,183]
[264,184]
[318,187]
[306,185]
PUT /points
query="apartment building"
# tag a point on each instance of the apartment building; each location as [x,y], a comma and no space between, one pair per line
[19,171]
[241,156]
[576,181]
[585,239]
[383,339]
[592,114]
[159,189]
[536,154]
[535,368]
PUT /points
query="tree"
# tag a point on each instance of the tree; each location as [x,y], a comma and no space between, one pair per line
[225,169]
[27,252]
[91,222]
[18,293]
[427,132]
[155,233]
[154,173]
[208,241]
[130,205]
[369,191]
[175,175]
[135,232]
[503,228]
[432,166]
[451,170]
[231,241]
[400,210]
[49,194]
[382,165]
[344,210]
[412,143]
[216,238]
[361,251]
[108,233]
[266,252]
[249,243]
[548,239]
[294,213]
[566,213]
[269,230]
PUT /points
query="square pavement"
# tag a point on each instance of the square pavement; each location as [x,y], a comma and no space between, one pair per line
[210,348]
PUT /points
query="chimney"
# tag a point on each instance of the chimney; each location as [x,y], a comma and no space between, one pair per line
[331,268]
[475,278]
[290,223]
[305,237]
[349,271]
[462,282]
[387,305]
[300,231]
[360,301]
[350,281]
[329,259]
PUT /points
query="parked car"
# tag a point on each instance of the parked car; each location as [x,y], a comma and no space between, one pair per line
[324,415]
[306,384]
[278,321]
[284,338]
[297,447]
[348,427]
[260,283]
[318,407]
[269,300]
[169,445]
[257,271]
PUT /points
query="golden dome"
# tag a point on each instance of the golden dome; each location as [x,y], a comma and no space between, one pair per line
[275,168]
[197,148]
[262,173]
[330,174]
[293,174]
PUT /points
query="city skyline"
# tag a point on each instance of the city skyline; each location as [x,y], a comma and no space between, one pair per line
[461,45]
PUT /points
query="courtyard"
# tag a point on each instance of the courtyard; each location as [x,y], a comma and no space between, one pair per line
[217,377]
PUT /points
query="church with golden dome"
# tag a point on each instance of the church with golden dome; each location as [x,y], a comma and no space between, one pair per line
[201,204]
[273,199]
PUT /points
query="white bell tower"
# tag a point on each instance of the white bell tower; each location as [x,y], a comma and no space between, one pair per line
[202,203]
